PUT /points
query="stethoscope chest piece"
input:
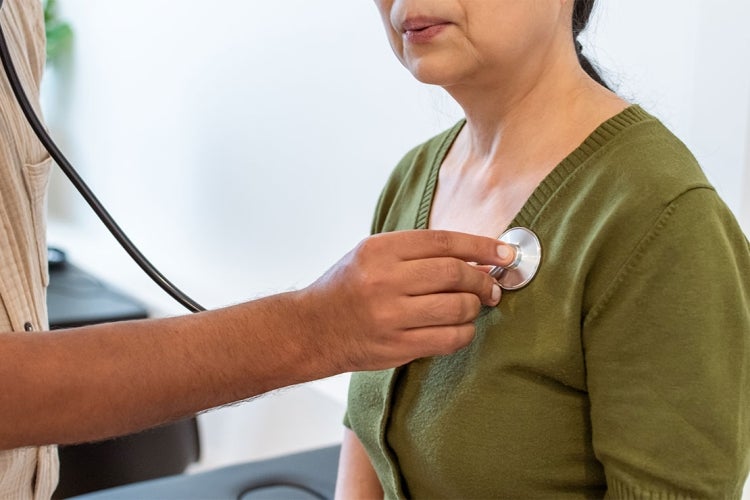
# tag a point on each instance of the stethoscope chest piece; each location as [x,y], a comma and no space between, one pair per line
[526,264]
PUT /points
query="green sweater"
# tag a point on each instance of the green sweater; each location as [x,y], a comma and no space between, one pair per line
[622,369]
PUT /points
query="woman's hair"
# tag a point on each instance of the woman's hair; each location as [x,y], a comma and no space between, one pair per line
[581,14]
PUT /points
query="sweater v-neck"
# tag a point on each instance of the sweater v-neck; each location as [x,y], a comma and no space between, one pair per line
[599,138]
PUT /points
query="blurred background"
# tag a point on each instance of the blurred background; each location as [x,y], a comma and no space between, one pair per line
[243,145]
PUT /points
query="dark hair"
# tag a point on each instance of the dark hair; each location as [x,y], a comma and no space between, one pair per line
[582,10]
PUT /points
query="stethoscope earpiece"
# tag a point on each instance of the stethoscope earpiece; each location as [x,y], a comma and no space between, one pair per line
[528,257]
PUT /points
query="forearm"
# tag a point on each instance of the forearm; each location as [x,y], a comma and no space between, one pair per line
[356,476]
[105,380]
[372,310]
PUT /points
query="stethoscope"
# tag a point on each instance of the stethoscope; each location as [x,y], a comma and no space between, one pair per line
[526,263]
[517,275]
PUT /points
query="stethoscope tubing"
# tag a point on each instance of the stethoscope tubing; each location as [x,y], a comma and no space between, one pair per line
[516,276]
[83,188]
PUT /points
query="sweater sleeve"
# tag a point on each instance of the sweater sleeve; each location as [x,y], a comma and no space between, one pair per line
[667,351]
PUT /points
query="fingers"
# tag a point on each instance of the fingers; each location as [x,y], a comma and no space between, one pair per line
[439,340]
[424,311]
[422,244]
[443,309]
[404,295]
[436,275]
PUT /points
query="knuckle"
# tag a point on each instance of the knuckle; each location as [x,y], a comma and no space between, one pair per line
[452,312]
[432,312]
[373,246]
[474,306]
[382,316]
[450,309]
[458,337]
[442,241]
[469,309]
[476,247]
[484,285]
[365,247]
[418,273]
[367,279]
[452,273]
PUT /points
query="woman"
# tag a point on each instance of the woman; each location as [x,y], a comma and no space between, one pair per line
[623,368]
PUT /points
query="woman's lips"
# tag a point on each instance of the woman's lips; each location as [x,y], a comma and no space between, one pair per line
[422,30]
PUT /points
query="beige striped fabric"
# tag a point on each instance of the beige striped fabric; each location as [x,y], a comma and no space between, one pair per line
[26,473]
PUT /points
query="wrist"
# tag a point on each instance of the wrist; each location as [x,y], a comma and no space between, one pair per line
[317,331]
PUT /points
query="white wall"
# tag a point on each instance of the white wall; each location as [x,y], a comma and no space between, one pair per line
[243,144]
[687,62]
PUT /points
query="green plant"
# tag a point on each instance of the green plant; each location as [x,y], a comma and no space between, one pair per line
[59,33]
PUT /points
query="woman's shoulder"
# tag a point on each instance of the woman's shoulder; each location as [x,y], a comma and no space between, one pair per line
[642,153]
[624,174]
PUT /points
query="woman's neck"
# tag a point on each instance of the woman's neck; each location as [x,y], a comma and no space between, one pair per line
[533,117]
[509,144]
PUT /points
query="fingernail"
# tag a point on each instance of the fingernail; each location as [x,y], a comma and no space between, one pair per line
[505,252]
[496,293]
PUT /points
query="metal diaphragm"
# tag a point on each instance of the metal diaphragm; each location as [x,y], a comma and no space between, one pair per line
[528,257]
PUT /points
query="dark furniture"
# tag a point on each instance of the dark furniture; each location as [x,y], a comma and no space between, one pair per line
[309,475]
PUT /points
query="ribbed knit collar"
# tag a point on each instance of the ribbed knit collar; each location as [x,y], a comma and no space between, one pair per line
[603,134]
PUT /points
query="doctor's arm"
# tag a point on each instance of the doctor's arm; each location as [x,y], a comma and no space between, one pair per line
[394,298]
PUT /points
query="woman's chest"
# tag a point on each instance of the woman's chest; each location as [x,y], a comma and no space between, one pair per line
[478,204]
[506,416]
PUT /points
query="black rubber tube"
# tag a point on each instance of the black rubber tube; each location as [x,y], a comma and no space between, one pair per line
[81,186]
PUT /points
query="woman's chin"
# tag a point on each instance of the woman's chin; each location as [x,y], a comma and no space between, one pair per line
[432,75]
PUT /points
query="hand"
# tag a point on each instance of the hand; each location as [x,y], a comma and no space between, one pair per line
[403,295]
